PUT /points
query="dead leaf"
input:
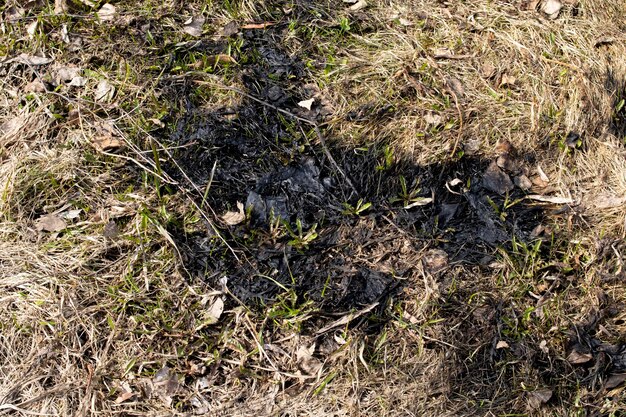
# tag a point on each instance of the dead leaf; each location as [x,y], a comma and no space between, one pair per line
[614,381]
[71,214]
[445,53]
[231,29]
[502,345]
[106,143]
[50,223]
[419,202]
[193,26]
[551,8]
[507,80]
[30,60]
[104,91]
[550,199]
[539,397]
[433,119]
[435,260]
[35,86]
[233,218]
[455,85]
[307,103]
[215,311]
[358,5]
[14,13]
[542,174]
[106,13]
[346,319]
[111,230]
[308,363]
[31,29]
[496,180]
[487,70]
[124,396]
[60,6]
[258,25]
[523,182]
[577,358]
[220,59]
[65,36]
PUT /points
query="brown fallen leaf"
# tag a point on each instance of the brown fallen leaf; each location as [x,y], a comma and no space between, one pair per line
[577,358]
[50,223]
[258,25]
[106,143]
[456,87]
[539,397]
[104,91]
[33,60]
[233,218]
[507,80]
[502,345]
[220,59]
[487,70]
[124,396]
[614,381]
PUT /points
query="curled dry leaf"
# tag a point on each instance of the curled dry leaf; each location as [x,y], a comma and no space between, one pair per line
[551,8]
[233,218]
[104,91]
[31,29]
[419,202]
[307,103]
[502,345]
[577,358]
[507,80]
[456,87]
[65,36]
[106,13]
[361,4]
[50,223]
[124,396]
[193,26]
[214,312]
[551,199]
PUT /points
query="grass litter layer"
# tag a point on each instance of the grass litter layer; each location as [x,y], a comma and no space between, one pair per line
[453,208]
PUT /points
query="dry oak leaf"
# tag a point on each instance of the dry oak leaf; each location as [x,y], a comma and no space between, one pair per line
[50,223]
[193,26]
[577,358]
[233,218]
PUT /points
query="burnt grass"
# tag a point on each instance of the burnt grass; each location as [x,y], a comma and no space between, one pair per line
[277,167]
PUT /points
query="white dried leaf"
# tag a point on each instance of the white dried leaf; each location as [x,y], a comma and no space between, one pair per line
[552,8]
[232,218]
[502,345]
[106,13]
[358,5]
[71,214]
[551,199]
[214,312]
[31,59]
[542,174]
[433,119]
[50,223]
[104,91]
[307,103]
[31,29]
[421,202]
[60,7]
[78,81]
[65,35]
[193,26]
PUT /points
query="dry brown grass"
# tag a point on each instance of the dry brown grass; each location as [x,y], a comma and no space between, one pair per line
[87,321]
